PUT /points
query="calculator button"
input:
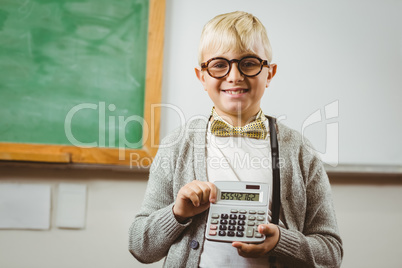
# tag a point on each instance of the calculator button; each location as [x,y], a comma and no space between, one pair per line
[233,216]
[251,223]
[242,217]
[240,228]
[223,227]
[213,227]
[215,216]
[241,222]
[232,222]
[252,212]
[260,218]
[239,234]
[242,211]
[258,235]
[222,233]
[224,221]
[231,233]
[212,232]
[251,218]
[260,212]
[224,216]
[250,232]
[214,221]
[234,211]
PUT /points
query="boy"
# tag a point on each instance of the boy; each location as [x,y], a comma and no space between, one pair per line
[235,56]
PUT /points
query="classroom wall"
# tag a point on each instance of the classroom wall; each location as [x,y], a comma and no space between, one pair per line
[369,213]
[113,198]
[337,60]
[368,209]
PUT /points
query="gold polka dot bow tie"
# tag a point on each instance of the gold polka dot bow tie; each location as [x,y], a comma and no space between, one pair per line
[255,129]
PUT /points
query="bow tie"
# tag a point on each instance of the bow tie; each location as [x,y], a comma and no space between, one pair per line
[255,129]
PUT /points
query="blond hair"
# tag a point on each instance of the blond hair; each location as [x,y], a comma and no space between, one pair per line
[238,31]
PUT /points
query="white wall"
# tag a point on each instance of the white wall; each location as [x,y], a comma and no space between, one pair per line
[113,200]
[369,212]
[326,50]
[349,52]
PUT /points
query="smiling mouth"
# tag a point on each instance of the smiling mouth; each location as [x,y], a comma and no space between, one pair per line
[236,92]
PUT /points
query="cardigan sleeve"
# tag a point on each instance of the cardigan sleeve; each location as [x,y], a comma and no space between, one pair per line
[317,243]
[155,228]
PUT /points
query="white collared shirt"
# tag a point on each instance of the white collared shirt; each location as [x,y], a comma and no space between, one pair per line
[236,159]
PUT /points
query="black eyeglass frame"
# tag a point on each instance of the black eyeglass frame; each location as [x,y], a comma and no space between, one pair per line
[264,63]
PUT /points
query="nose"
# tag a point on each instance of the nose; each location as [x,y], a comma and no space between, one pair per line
[234,75]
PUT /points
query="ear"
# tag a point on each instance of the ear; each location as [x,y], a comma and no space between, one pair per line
[201,76]
[271,73]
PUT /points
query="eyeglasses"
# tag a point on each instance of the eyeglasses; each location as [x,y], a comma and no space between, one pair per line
[248,66]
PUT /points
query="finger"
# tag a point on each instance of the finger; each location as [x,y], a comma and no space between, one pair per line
[272,234]
[239,246]
[206,190]
[248,250]
[267,229]
[236,244]
[243,247]
[200,193]
[213,192]
[191,193]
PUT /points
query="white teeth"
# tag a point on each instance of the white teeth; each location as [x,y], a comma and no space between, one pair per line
[235,92]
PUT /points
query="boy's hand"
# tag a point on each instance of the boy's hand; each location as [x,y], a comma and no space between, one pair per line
[271,232]
[193,198]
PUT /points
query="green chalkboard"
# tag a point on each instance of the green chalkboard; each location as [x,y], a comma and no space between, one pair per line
[73,72]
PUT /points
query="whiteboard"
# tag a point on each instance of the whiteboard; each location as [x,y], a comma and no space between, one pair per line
[338,80]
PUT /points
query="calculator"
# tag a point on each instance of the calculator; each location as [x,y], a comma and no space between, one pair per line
[239,209]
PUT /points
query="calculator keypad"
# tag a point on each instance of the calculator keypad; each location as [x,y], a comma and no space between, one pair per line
[237,223]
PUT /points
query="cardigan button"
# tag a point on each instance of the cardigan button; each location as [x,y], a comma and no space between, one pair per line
[194,244]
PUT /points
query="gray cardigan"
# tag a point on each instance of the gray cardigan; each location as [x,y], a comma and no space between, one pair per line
[310,239]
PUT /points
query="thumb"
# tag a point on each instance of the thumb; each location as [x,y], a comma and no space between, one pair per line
[267,229]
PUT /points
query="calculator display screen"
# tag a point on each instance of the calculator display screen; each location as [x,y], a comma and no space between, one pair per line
[240,196]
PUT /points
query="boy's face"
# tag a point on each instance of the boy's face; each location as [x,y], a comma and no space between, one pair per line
[236,96]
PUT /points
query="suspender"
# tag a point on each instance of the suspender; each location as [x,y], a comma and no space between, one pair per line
[276,198]
[276,180]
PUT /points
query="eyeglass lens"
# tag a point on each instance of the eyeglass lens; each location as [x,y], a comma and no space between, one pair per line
[248,66]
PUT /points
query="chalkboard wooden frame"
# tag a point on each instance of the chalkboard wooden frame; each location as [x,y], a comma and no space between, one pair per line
[112,156]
